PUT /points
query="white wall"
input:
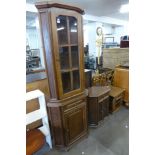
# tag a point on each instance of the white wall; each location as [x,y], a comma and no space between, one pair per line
[85,34]
[120,31]
[104,19]
[107,29]
[90,35]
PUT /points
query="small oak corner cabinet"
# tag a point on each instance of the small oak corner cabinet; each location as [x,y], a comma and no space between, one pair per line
[62,38]
[98,104]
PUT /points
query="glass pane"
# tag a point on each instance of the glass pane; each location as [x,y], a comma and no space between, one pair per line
[62,30]
[75,56]
[73,30]
[76,79]
[66,82]
[64,57]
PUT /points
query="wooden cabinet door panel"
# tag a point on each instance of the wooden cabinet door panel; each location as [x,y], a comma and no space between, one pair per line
[101,110]
[75,123]
[104,108]
[93,111]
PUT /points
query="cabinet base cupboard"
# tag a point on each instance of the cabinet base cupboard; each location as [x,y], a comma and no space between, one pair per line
[62,39]
[69,121]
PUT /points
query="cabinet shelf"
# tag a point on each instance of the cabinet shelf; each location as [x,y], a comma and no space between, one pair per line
[69,70]
[74,69]
[66,45]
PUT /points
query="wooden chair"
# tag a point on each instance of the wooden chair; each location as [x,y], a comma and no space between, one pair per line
[99,80]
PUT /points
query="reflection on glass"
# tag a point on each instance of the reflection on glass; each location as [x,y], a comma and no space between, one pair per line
[62,29]
[64,57]
[34,54]
[75,56]
[76,79]
[66,82]
[73,30]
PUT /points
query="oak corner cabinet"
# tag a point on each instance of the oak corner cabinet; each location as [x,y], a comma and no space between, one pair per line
[98,104]
[62,38]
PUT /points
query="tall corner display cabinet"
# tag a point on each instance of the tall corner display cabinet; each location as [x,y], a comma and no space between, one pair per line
[62,38]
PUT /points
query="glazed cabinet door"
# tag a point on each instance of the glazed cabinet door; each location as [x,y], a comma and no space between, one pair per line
[75,123]
[68,53]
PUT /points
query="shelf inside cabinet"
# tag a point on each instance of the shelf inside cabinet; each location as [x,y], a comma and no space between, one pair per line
[65,70]
[75,68]
[67,45]
[69,70]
